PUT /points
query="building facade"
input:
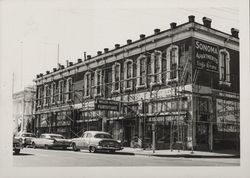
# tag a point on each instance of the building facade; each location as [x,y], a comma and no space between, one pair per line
[23,109]
[182,83]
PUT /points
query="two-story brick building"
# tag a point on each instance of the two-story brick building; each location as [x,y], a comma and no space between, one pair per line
[184,80]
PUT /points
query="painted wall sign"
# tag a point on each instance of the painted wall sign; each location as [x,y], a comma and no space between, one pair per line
[227,115]
[206,56]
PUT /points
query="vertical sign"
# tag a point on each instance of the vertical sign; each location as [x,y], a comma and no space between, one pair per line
[206,56]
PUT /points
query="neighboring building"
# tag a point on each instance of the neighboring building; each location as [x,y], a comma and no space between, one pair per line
[23,108]
[184,81]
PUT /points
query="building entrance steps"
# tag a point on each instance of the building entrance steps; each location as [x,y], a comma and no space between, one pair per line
[182,153]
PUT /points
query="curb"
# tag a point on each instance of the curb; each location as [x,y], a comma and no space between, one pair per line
[189,156]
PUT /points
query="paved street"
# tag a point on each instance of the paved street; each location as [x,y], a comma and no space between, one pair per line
[41,157]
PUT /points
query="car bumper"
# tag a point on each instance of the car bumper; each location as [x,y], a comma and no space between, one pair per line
[60,145]
[109,148]
[17,146]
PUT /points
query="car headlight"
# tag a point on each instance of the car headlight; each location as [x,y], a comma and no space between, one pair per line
[20,139]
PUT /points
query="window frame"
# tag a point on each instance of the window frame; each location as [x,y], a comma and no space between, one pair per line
[168,63]
[226,80]
[60,91]
[126,79]
[53,93]
[39,99]
[156,55]
[46,95]
[88,73]
[69,89]
[114,90]
[96,82]
[139,76]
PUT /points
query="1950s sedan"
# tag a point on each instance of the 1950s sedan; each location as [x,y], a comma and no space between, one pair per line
[95,141]
[17,145]
[25,137]
[51,141]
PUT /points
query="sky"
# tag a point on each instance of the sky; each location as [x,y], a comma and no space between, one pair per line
[32,30]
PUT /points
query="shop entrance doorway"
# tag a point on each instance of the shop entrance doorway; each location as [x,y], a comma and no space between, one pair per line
[202,136]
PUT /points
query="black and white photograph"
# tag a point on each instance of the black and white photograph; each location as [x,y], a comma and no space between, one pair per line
[111,88]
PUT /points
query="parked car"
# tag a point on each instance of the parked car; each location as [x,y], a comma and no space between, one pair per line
[50,141]
[17,145]
[95,141]
[25,137]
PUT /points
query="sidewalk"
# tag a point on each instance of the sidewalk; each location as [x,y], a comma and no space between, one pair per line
[176,153]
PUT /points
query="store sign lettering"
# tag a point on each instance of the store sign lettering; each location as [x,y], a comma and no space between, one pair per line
[206,56]
[107,105]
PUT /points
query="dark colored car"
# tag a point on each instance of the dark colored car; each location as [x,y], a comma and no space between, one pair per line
[17,145]
[26,138]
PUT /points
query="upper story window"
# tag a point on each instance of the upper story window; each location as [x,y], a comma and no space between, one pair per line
[98,82]
[172,63]
[87,84]
[141,71]
[46,95]
[69,90]
[39,96]
[53,93]
[128,74]
[60,90]
[156,68]
[116,76]
[224,64]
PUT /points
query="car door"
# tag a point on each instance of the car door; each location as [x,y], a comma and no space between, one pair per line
[80,141]
[87,141]
[39,141]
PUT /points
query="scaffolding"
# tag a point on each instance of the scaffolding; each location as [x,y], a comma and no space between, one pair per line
[130,100]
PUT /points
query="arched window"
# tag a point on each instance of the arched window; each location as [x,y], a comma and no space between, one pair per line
[69,90]
[116,76]
[224,65]
[156,68]
[87,84]
[39,96]
[128,74]
[98,82]
[46,95]
[53,92]
[172,62]
[60,91]
[141,71]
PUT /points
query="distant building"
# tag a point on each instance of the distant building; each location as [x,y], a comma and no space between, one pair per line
[23,108]
[182,83]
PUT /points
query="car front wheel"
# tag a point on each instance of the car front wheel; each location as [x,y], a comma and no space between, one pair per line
[33,145]
[92,149]
[74,147]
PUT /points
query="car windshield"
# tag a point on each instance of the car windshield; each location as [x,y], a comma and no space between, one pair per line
[28,135]
[103,136]
[56,136]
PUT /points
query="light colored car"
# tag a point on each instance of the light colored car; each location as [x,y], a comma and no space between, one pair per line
[95,141]
[17,145]
[25,137]
[50,141]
